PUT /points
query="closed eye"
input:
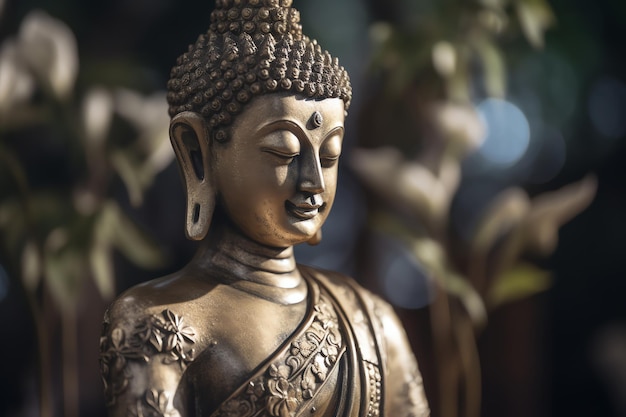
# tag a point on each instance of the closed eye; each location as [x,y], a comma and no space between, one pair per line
[281,154]
[329,160]
[331,148]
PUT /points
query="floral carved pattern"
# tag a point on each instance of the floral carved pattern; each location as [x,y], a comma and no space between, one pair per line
[154,404]
[163,333]
[293,378]
[167,334]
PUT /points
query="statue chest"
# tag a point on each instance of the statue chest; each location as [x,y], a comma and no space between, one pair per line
[269,370]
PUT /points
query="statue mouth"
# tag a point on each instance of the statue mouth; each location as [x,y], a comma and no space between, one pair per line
[304,210]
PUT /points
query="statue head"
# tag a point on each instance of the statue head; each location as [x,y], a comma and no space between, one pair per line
[258,107]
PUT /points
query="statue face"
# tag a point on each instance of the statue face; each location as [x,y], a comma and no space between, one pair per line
[277,174]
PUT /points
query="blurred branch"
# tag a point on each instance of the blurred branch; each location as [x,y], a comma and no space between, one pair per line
[437,69]
[64,229]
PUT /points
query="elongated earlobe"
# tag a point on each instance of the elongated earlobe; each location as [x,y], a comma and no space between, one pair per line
[190,140]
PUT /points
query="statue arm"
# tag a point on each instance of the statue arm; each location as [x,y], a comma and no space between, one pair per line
[404,394]
[142,363]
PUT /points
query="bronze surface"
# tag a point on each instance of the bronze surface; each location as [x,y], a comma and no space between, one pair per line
[243,330]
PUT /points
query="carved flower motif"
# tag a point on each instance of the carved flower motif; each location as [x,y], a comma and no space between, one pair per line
[278,372]
[334,336]
[325,314]
[319,369]
[113,360]
[147,334]
[303,347]
[155,404]
[157,334]
[160,404]
[235,408]
[292,380]
[330,352]
[168,334]
[256,389]
[177,332]
[283,400]
[112,347]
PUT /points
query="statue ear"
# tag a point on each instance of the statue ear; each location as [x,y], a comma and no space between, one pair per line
[190,139]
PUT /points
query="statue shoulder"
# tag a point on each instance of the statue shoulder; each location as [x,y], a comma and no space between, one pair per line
[147,342]
[180,292]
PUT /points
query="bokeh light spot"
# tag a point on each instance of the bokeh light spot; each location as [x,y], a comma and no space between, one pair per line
[607,107]
[405,283]
[507,134]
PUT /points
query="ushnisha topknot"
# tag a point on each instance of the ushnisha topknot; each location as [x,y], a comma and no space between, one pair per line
[252,47]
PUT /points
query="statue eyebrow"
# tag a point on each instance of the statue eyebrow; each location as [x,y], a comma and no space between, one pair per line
[333,132]
[290,124]
[296,129]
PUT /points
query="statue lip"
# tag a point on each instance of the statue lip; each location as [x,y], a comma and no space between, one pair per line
[303,210]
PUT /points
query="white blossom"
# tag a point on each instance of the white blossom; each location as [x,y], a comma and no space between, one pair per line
[97,115]
[16,83]
[149,116]
[444,58]
[49,47]
[460,124]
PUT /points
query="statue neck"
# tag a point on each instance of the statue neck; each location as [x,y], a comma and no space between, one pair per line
[249,266]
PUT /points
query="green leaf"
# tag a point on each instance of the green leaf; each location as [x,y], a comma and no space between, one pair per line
[550,210]
[493,3]
[130,171]
[49,209]
[64,269]
[458,84]
[460,287]
[444,57]
[380,33]
[519,282]
[101,263]
[31,266]
[507,210]
[432,256]
[12,225]
[535,16]
[494,68]
[100,253]
[128,238]
[12,168]
[97,114]
[493,19]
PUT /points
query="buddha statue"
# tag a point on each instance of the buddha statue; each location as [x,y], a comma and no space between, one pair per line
[257,122]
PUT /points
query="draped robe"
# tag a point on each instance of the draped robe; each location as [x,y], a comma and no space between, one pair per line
[348,357]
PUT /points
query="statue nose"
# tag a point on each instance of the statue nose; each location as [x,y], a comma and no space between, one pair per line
[311,179]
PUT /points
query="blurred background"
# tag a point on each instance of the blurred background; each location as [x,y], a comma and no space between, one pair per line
[482,190]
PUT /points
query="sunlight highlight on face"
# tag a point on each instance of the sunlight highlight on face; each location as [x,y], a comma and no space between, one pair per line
[277,174]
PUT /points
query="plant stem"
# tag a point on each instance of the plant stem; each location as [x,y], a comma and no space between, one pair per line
[470,363]
[43,351]
[445,354]
[70,368]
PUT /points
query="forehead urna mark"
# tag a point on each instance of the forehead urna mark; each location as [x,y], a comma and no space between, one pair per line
[316,120]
